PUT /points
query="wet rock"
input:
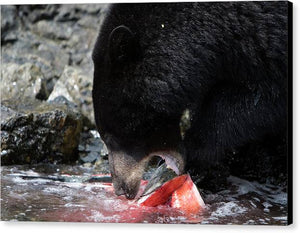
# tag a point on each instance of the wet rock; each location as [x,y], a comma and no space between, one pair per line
[22,80]
[75,86]
[33,131]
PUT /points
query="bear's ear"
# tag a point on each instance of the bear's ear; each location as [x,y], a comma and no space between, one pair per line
[123,45]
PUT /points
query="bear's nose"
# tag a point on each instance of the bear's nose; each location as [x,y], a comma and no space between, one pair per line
[124,190]
[130,195]
[119,191]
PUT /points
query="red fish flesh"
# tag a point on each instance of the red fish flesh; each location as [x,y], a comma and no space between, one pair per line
[180,193]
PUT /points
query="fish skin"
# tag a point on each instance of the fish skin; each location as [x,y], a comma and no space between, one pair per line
[161,175]
[163,194]
[180,193]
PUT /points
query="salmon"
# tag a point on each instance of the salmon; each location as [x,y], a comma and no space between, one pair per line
[180,193]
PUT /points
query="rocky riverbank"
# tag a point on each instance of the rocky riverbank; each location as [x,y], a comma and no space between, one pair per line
[46,84]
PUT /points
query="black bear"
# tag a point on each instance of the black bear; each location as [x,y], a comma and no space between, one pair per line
[188,82]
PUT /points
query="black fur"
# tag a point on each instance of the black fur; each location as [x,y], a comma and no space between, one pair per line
[225,62]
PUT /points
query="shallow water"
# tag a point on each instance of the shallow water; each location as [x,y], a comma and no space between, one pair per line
[27,198]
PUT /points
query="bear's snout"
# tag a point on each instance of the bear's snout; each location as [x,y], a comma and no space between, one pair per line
[127,171]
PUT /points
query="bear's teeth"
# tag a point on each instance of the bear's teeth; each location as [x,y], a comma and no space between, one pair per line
[171,163]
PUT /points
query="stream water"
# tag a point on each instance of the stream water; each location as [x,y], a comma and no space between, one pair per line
[37,193]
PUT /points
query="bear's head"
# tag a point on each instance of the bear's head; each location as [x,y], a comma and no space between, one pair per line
[142,89]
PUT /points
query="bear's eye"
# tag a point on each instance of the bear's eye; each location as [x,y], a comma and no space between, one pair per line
[123,45]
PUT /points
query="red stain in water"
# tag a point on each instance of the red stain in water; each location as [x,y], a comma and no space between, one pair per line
[176,201]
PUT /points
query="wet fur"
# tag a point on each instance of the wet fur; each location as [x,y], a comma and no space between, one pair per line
[225,62]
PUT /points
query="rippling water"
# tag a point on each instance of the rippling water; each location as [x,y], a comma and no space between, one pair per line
[49,199]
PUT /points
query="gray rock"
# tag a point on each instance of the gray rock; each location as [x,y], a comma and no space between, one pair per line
[51,30]
[92,149]
[33,131]
[49,56]
[68,13]
[56,41]
[90,157]
[26,42]
[81,39]
[90,8]
[63,100]
[50,74]
[75,86]
[89,22]
[84,60]
[35,13]
[8,23]
[54,53]
[9,37]
[8,17]
[76,12]
[21,81]
[91,141]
